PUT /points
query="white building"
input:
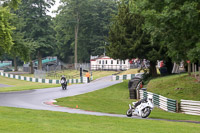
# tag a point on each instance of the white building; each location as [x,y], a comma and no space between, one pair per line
[107,63]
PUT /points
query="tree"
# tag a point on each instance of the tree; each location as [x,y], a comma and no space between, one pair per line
[128,39]
[5,29]
[171,21]
[38,26]
[96,27]
[11,3]
[5,26]
[11,40]
[70,12]
[20,47]
[82,26]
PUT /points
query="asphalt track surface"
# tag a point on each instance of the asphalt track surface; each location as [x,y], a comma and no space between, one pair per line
[42,99]
[2,85]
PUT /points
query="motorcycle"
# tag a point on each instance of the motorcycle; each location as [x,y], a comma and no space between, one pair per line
[143,110]
[63,84]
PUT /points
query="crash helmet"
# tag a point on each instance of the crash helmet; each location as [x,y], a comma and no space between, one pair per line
[150,97]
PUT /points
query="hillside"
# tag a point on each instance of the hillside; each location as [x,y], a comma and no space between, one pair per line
[177,87]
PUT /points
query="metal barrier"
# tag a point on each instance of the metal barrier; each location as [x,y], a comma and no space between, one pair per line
[126,77]
[162,102]
[190,107]
[40,80]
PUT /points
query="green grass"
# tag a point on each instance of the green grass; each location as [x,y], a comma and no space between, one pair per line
[129,71]
[19,85]
[189,88]
[57,75]
[75,74]
[115,99]
[134,71]
[15,120]
[100,74]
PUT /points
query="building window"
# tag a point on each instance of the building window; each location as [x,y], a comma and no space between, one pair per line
[106,62]
[111,61]
[117,61]
[124,62]
[103,62]
[100,62]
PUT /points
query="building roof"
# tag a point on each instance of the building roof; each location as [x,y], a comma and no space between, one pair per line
[100,57]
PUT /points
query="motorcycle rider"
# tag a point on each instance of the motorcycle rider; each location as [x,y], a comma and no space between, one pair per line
[150,97]
[141,108]
[63,81]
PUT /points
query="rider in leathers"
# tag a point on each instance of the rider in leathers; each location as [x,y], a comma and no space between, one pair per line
[142,101]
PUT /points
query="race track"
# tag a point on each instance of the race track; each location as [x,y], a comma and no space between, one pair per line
[41,99]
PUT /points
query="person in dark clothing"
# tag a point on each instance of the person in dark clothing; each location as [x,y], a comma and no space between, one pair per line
[63,78]
[63,82]
[140,101]
[143,100]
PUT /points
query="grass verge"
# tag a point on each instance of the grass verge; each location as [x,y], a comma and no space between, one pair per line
[115,99]
[15,120]
[19,85]
[74,74]
[177,87]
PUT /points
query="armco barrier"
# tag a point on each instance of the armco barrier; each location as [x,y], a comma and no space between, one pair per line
[50,81]
[161,101]
[122,77]
[190,107]
[126,77]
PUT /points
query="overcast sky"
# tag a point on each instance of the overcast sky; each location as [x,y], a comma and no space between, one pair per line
[54,8]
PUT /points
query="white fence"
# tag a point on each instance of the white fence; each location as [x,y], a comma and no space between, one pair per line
[190,107]
[109,67]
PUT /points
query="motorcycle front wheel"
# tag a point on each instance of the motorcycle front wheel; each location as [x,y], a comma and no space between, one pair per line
[145,112]
[63,87]
[129,112]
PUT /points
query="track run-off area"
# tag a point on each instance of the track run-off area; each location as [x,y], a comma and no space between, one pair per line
[43,99]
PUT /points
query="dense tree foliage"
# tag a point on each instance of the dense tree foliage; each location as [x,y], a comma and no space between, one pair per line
[170,29]
[20,48]
[128,39]
[5,29]
[146,29]
[176,22]
[37,26]
[81,27]
[5,26]
[12,42]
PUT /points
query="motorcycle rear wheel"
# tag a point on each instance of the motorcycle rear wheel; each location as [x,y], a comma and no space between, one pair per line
[129,112]
[64,87]
[145,112]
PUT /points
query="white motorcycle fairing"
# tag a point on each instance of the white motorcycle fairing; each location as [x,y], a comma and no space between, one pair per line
[143,110]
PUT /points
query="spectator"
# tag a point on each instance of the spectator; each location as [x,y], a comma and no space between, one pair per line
[88,76]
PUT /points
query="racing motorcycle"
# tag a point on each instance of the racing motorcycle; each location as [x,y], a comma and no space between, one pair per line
[63,84]
[143,110]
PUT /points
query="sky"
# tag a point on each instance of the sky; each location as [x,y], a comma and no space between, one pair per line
[54,8]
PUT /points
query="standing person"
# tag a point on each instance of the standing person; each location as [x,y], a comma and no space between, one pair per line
[88,76]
